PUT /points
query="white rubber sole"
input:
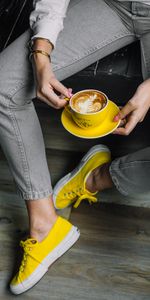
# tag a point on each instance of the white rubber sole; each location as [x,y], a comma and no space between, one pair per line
[70,176]
[65,245]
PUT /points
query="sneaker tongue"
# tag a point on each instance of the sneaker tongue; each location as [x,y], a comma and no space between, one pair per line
[85,190]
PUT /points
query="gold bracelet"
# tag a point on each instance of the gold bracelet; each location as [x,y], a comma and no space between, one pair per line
[41,52]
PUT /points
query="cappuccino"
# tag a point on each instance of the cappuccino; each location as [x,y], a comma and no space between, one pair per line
[88,102]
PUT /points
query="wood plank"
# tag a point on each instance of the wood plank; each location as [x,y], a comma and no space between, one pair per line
[110,261]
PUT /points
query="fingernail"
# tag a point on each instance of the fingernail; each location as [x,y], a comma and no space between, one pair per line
[116,118]
[70,92]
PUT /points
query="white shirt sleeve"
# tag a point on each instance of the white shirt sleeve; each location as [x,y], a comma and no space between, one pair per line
[46,19]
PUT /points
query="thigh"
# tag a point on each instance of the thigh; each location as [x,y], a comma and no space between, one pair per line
[141,21]
[92,30]
[145,55]
[16,71]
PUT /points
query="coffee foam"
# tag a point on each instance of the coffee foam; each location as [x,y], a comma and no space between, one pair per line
[89,102]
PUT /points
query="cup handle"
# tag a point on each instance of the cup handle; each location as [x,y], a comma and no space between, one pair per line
[68,109]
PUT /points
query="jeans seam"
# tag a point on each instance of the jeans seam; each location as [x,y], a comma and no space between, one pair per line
[21,145]
[144,57]
[116,182]
[91,50]
[129,164]
[34,194]
[13,91]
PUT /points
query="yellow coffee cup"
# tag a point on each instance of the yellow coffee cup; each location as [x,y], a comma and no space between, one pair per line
[82,108]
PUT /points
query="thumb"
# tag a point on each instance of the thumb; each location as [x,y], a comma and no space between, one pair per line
[126,110]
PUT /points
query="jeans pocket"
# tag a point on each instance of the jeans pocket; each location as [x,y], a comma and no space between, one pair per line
[22,96]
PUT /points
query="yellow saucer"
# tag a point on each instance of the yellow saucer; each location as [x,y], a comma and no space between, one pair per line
[103,129]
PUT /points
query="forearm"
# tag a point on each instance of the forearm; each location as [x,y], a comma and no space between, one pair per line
[46,21]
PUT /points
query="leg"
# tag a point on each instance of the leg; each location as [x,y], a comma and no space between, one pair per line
[92,30]
[78,185]
[136,17]
[95,173]
[42,217]
[142,28]
[20,132]
[145,58]
[131,173]
[22,142]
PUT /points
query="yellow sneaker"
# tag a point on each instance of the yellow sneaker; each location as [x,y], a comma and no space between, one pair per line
[39,256]
[71,188]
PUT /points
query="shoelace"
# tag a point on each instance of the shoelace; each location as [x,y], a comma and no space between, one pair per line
[79,194]
[27,246]
[91,199]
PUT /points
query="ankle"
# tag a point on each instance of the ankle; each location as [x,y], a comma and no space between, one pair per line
[99,179]
[90,183]
[40,229]
[42,216]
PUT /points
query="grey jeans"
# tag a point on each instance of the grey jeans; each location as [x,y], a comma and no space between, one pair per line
[21,137]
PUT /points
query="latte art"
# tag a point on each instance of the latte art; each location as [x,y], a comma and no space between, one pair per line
[88,102]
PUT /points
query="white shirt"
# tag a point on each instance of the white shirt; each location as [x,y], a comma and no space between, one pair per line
[46,20]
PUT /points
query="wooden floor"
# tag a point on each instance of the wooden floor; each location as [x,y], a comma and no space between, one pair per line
[111,261]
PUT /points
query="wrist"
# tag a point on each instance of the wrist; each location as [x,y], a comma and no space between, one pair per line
[42,44]
[40,60]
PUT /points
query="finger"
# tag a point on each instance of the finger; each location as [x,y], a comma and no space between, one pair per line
[51,98]
[125,111]
[143,117]
[56,100]
[130,125]
[70,93]
[59,87]
[123,122]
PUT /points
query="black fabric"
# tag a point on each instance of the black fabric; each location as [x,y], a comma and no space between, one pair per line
[14,16]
